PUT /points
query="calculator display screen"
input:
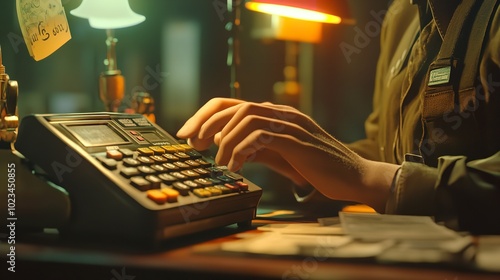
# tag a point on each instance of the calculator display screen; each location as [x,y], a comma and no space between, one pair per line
[151,136]
[96,135]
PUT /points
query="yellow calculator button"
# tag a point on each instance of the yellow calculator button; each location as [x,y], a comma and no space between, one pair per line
[202,193]
[214,191]
[186,147]
[157,150]
[157,196]
[169,149]
[146,151]
[179,148]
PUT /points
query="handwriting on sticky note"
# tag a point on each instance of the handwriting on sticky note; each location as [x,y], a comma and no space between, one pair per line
[44,26]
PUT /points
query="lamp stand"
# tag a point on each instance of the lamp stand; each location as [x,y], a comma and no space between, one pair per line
[288,91]
[111,81]
[233,57]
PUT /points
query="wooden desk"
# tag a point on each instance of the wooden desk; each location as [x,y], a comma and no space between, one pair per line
[47,257]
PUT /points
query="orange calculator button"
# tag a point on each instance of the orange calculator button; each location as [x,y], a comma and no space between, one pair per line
[157,196]
[171,194]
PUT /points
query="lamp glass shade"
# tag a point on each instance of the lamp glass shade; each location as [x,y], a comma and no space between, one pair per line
[108,14]
[326,11]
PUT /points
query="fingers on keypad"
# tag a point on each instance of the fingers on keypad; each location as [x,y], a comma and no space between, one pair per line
[165,173]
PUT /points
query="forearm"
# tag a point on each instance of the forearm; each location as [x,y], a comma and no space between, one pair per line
[371,185]
[366,148]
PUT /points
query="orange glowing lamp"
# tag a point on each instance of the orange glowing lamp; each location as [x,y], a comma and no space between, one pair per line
[324,11]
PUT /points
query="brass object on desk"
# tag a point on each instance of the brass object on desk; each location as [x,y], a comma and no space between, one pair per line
[9,120]
[143,103]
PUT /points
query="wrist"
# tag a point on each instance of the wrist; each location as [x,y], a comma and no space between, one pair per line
[377,182]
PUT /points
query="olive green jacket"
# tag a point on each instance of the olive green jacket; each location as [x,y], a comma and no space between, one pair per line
[457,175]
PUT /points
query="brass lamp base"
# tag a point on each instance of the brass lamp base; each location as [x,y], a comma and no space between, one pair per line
[111,90]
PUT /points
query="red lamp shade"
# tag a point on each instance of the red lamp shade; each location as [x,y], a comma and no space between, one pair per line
[326,11]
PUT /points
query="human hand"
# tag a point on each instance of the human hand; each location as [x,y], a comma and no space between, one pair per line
[205,128]
[289,142]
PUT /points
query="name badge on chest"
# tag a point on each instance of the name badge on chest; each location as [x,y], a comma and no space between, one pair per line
[440,76]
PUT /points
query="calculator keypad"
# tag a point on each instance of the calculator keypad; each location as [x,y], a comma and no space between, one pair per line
[163,173]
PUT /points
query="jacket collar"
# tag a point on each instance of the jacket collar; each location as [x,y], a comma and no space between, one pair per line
[438,10]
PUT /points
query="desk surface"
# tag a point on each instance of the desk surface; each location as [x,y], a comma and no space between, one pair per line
[46,257]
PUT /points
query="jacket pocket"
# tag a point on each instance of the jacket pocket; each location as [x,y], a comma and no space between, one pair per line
[450,126]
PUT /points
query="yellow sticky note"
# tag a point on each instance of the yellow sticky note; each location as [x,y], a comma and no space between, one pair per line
[44,26]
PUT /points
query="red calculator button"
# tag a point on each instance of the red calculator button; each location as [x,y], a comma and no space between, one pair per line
[114,154]
[233,188]
[243,186]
